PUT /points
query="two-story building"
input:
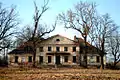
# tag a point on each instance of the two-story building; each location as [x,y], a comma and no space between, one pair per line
[54,50]
[57,50]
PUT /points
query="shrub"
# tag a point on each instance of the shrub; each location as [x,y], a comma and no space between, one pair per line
[3,62]
[111,66]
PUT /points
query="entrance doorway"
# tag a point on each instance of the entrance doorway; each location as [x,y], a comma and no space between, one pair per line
[57,59]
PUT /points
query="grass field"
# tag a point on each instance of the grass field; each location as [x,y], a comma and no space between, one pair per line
[58,74]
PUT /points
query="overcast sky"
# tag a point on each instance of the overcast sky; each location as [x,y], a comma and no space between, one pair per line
[25,8]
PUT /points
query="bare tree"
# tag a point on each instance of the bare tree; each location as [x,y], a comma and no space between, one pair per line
[81,19]
[8,22]
[103,26]
[42,29]
[114,47]
[24,35]
[7,43]
[27,31]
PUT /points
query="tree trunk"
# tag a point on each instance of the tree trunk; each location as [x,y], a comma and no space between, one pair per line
[103,52]
[79,56]
[34,45]
[34,54]
[85,54]
[34,59]
[102,62]
[114,64]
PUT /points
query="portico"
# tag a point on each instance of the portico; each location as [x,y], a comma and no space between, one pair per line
[59,57]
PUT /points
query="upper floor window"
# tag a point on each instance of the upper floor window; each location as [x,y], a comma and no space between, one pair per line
[41,49]
[49,48]
[57,39]
[57,48]
[65,48]
[74,49]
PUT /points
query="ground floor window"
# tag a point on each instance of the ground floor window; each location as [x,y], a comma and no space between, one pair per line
[40,59]
[49,59]
[83,57]
[16,59]
[29,58]
[66,58]
[92,60]
[97,59]
[23,59]
[74,59]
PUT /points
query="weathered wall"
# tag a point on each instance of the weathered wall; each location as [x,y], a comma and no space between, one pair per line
[51,42]
[11,57]
[64,42]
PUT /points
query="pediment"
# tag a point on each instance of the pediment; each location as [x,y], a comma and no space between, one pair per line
[57,39]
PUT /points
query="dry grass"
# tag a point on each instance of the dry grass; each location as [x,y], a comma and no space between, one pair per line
[58,74]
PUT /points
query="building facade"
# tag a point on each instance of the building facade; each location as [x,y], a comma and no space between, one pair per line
[54,50]
[57,50]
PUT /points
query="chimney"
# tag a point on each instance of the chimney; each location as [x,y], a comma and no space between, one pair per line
[75,38]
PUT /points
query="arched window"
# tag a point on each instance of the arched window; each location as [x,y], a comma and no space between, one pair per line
[57,40]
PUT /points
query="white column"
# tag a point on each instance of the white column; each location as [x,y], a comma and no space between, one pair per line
[54,59]
[61,59]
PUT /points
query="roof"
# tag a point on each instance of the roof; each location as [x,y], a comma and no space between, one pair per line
[18,51]
[21,49]
[26,47]
[80,40]
[56,43]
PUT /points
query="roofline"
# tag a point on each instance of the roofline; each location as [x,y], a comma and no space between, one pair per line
[61,36]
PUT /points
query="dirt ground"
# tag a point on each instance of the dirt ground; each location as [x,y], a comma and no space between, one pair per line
[58,74]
